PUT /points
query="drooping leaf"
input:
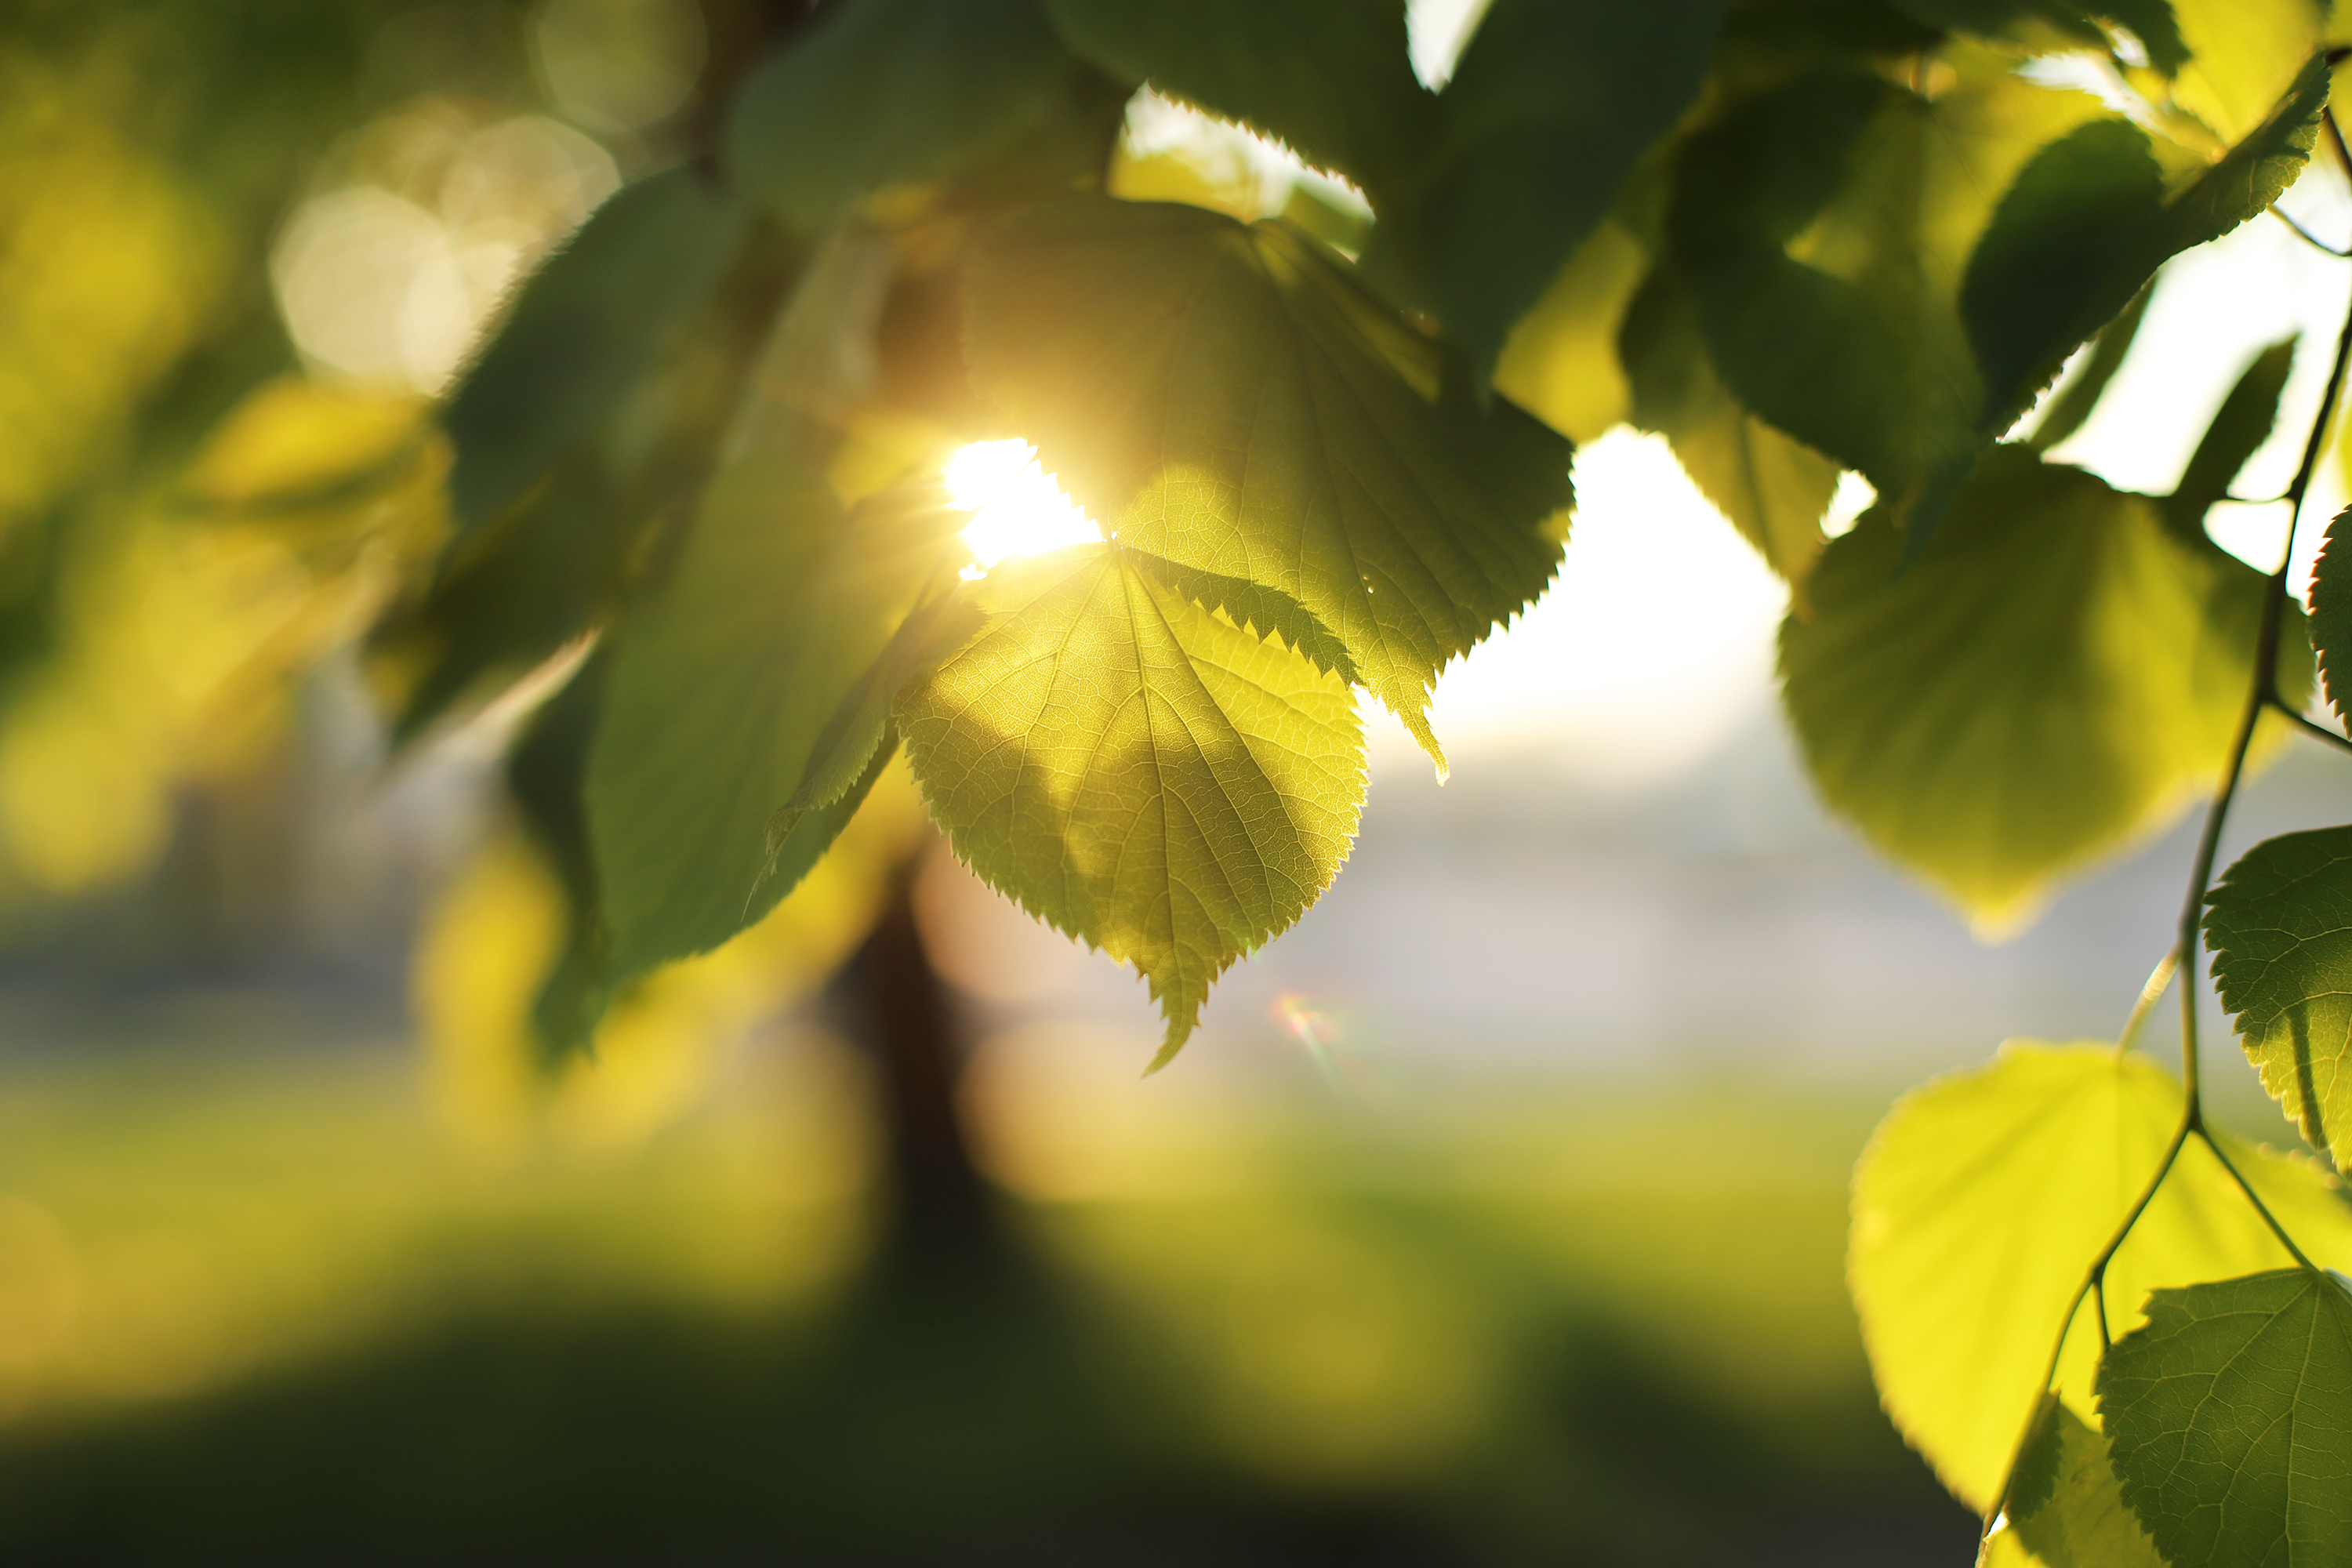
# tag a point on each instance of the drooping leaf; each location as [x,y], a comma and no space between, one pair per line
[2230,1417]
[722,685]
[2075,1517]
[1979,1206]
[546,776]
[1550,107]
[1226,396]
[2242,423]
[2089,221]
[1332,78]
[2331,611]
[2072,406]
[1820,226]
[2280,926]
[876,93]
[583,329]
[1137,771]
[2049,679]
[1775,490]
[2151,21]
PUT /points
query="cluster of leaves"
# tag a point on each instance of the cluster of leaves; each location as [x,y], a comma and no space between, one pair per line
[1796,239]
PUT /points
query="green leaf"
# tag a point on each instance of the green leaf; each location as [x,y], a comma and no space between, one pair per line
[583,329]
[1979,1207]
[1548,111]
[2280,926]
[722,686]
[2244,57]
[1333,78]
[2052,678]
[2151,21]
[1138,771]
[1225,397]
[1562,362]
[886,92]
[2075,1517]
[1773,489]
[1821,225]
[2331,611]
[2240,426]
[2071,407]
[546,778]
[2231,1416]
[2089,221]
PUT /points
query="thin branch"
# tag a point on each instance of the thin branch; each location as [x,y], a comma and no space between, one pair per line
[2260,1207]
[2307,237]
[2316,732]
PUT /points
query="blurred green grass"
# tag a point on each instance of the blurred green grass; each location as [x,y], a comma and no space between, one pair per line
[263,1307]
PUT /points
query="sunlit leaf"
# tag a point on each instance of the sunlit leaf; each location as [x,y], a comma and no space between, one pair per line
[583,329]
[1331,79]
[2075,1517]
[2231,1415]
[720,687]
[2244,57]
[1136,770]
[1981,1204]
[1560,363]
[1775,490]
[877,93]
[1548,111]
[1226,397]
[2054,675]
[2280,926]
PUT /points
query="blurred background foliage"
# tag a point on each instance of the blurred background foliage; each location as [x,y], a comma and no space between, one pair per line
[303,1252]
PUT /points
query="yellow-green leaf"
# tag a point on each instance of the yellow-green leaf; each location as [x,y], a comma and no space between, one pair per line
[2057,674]
[2077,1518]
[1227,397]
[1979,1206]
[1136,770]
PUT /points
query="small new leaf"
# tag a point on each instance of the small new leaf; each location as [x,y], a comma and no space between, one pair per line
[2230,1417]
[1136,770]
[1227,398]
[2280,926]
[1978,1206]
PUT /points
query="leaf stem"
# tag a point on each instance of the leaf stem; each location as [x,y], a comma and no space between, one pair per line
[2307,237]
[2255,1198]
[2149,995]
[2316,732]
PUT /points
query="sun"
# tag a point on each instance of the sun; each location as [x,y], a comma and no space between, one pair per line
[1017,508]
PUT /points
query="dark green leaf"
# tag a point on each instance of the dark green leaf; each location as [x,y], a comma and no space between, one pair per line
[2281,930]
[1262,418]
[547,775]
[1551,106]
[2074,402]
[2331,611]
[2151,21]
[722,683]
[584,328]
[2065,1506]
[2231,1419]
[1332,78]
[886,92]
[1137,771]
[2239,427]
[2049,679]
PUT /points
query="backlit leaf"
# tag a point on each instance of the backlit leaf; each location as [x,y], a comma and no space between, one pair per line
[1137,771]
[2244,56]
[2072,403]
[2057,674]
[1226,397]
[2280,926]
[1983,1200]
[2231,1416]
[2331,611]
[2239,427]
[1560,363]
[2076,1519]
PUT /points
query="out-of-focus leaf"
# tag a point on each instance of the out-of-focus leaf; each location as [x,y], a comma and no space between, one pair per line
[2051,679]
[2231,1416]
[2151,21]
[1333,78]
[1820,226]
[2088,222]
[2242,423]
[1561,363]
[884,92]
[2331,611]
[1138,771]
[1548,111]
[547,777]
[722,683]
[584,328]
[2075,1518]
[1979,1206]
[2244,57]
[1264,420]
[2074,400]
[1773,489]
[2280,926]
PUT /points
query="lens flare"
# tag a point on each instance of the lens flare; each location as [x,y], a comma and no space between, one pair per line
[1017,508]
